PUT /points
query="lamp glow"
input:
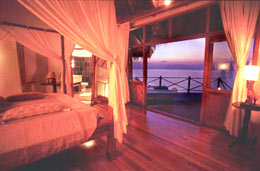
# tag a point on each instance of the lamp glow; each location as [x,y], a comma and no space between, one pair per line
[72,63]
[223,66]
[167,2]
[158,3]
[251,73]
[78,47]
[81,52]
[89,144]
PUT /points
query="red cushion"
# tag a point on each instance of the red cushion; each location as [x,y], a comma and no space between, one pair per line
[25,96]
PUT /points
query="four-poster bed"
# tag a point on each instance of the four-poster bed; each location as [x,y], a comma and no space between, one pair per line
[62,50]
[52,145]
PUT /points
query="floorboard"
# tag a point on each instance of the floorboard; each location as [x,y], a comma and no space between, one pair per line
[156,142]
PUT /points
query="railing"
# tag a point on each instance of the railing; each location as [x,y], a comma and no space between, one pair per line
[221,83]
[185,84]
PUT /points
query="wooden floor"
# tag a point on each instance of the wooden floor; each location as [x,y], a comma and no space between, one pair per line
[156,142]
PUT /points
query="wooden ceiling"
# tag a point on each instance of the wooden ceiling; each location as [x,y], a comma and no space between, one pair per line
[128,9]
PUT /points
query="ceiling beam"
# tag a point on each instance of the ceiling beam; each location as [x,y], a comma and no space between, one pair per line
[164,13]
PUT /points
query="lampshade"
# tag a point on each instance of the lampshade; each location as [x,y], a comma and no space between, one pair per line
[51,75]
[251,72]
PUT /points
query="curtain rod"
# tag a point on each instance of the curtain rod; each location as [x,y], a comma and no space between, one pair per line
[28,27]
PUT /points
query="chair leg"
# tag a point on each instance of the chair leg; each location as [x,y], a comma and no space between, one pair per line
[111,146]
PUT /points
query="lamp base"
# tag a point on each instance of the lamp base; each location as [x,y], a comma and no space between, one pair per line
[249,100]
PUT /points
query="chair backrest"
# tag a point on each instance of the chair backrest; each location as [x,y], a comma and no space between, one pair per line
[256,89]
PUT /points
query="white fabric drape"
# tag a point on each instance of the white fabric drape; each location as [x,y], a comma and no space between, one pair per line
[239,20]
[45,43]
[3,32]
[92,25]
[124,41]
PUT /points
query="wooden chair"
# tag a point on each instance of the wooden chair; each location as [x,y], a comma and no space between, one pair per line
[106,128]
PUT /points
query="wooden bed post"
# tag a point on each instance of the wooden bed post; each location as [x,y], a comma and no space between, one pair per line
[111,142]
[93,80]
[63,65]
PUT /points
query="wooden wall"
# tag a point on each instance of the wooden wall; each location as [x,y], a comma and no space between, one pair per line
[137,92]
[215,108]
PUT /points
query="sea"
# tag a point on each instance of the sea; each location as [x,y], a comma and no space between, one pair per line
[176,79]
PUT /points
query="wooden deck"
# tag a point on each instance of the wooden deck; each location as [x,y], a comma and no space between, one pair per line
[156,142]
[181,105]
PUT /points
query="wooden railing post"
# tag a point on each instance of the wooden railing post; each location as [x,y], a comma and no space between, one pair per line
[160,81]
[189,78]
[219,81]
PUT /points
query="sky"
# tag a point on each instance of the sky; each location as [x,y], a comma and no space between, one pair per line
[190,51]
[177,55]
[188,54]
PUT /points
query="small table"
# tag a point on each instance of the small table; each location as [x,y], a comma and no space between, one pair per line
[54,86]
[248,108]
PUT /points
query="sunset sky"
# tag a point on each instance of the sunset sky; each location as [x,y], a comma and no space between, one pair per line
[187,54]
[183,52]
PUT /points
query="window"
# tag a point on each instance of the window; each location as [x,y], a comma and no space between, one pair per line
[224,67]
[173,66]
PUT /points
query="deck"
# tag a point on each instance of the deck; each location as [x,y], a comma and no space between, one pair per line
[156,142]
[181,105]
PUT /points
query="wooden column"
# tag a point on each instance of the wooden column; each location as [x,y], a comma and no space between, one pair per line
[144,76]
[71,76]
[207,65]
[256,61]
[63,65]
[144,70]
[130,64]
[170,28]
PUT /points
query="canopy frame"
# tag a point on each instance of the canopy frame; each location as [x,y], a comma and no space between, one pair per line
[45,30]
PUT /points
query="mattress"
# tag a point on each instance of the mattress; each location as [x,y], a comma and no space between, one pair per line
[32,138]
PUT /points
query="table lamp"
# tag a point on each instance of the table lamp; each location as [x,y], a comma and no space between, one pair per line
[251,74]
[51,76]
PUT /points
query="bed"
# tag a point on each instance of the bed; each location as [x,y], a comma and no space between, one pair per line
[34,129]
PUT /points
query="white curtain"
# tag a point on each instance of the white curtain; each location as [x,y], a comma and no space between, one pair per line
[92,25]
[124,41]
[45,43]
[3,32]
[239,20]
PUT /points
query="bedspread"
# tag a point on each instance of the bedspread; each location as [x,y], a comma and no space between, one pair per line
[26,140]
